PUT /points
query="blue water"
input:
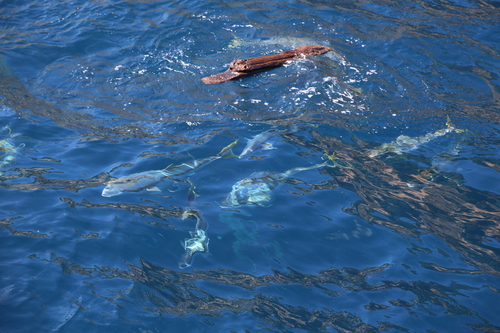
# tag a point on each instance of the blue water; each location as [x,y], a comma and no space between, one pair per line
[95,90]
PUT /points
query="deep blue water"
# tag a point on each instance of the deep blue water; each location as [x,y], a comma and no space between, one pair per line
[95,90]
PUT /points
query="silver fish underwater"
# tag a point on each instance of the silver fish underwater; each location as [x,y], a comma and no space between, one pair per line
[199,239]
[148,179]
[9,155]
[197,243]
[257,188]
[260,140]
[404,143]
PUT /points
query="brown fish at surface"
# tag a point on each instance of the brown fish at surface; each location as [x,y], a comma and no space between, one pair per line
[245,67]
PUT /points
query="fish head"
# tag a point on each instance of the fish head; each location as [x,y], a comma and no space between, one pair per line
[247,192]
[193,245]
[132,183]
[111,191]
[246,151]
[198,243]
[118,186]
[259,142]
[6,145]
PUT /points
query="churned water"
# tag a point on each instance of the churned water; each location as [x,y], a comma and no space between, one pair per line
[396,231]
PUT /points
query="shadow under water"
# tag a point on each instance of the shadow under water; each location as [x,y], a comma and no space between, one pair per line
[176,293]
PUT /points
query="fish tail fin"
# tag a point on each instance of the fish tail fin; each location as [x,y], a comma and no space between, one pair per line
[227,151]
[450,127]
[229,154]
[7,127]
[334,159]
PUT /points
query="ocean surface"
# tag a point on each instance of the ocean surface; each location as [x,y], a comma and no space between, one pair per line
[390,223]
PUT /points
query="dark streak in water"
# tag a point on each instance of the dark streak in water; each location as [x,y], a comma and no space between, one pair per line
[143,210]
[175,292]
[5,223]
[41,182]
[446,212]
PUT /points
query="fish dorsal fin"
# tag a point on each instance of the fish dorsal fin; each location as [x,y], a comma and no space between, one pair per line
[9,130]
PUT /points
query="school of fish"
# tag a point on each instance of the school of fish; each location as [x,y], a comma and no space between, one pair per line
[255,190]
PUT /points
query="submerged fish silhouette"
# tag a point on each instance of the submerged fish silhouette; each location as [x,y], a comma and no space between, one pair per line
[260,140]
[197,243]
[199,238]
[257,188]
[148,179]
[10,152]
[405,143]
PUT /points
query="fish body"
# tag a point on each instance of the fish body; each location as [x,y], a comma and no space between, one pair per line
[10,152]
[197,243]
[259,142]
[199,239]
[148,179]
[257,188]
[404,143]
[133,183]
[253,190]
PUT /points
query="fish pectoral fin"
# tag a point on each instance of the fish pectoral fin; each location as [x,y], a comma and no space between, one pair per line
[153,189]
[267,146]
